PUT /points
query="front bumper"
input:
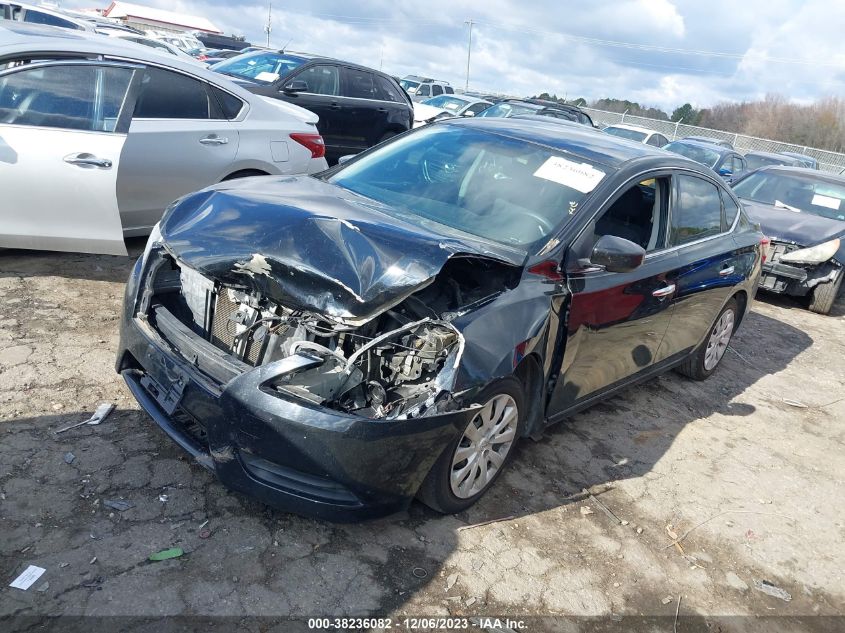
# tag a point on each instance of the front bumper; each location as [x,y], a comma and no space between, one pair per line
[292,455]
[794,279]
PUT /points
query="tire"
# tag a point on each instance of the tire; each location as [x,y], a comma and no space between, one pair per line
[700,365]
[438,490]
[824,295]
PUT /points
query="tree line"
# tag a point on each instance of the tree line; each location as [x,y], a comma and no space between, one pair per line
[820,124]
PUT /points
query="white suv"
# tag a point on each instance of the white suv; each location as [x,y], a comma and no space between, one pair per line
[421,88]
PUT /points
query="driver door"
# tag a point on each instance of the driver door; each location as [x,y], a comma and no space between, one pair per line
[617,320]
[62,129]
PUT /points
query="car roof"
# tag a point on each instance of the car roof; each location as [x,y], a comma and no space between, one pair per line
[635,128]
[720,149]
[774,155]
[576,139]
[21,38]
[798,155]
[824,176]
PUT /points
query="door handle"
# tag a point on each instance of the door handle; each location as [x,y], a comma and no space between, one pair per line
[726,271]
[335,106]
[84,159]
[213,139]
[665,291]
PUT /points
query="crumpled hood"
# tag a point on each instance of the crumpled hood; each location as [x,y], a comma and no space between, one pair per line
[803,229]
[312,245]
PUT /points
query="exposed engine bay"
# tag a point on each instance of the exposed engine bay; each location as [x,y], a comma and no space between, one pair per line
[400,364]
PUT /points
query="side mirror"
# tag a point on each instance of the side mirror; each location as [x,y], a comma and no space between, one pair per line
[295,85]
[616,254]
[725,172]
[467,113]
[345,159]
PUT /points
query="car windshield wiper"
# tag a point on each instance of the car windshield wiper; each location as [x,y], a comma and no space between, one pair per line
[783,205]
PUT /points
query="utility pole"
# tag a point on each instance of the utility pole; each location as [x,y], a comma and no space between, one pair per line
[469,50]
[269,28]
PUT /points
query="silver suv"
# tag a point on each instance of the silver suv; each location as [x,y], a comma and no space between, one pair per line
[421,88]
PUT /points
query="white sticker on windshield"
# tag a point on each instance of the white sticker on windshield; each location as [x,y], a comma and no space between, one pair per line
[579,176]
[265,76]
[826,201]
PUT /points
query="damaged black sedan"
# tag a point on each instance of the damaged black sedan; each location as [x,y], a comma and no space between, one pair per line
[337,346]
[802,211]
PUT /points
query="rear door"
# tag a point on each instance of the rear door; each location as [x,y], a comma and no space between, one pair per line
[62,129]
[709,266]
[322,97]
[179,141]
[366,115]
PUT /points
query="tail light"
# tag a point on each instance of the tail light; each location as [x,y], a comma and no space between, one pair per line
[313,142]
[764,247]
[202,57]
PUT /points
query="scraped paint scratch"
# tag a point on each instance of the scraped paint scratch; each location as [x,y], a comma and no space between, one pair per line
[257,265]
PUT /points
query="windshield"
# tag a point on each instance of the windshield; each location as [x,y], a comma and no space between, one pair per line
[702,155]
[755,161]
[796,193]
[409,86]
[262,66]
[451,104]
[633,135]
[495,187]
[508,109]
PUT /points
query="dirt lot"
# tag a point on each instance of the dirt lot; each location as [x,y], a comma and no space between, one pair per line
[751,461]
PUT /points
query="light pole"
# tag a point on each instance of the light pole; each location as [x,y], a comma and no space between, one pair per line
[269,28]
[469,51]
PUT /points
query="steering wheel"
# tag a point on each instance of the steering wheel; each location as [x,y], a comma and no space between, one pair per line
[544,226]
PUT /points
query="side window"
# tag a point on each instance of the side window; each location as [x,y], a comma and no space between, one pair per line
[449,90]
[70,97]
[638,215]
[387,91]
[738,165]
[321,80]
[168,95]
[37,17]
[230,105]
[424,90]
[359,84]
[697,211]
[661,140]
[475,108]
[436,90]
[731,210]
[654,139]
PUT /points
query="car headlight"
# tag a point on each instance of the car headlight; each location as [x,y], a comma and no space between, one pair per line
[813,255]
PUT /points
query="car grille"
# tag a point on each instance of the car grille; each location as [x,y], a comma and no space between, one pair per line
[222,331]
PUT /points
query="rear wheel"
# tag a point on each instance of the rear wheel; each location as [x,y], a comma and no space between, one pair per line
[824,295]
[706,358]
[474,460]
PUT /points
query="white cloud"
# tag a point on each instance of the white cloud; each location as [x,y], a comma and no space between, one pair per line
[566,48]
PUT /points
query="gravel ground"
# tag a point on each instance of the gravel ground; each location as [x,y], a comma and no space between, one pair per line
[747,467]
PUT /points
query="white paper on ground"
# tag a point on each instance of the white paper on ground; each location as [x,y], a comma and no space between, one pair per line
[28,577]
[579,176]
[826,201]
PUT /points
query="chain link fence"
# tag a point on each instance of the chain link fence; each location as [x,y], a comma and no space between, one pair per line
[828,161]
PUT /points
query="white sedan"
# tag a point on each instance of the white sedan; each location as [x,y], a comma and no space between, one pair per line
[445,106]
[99,136]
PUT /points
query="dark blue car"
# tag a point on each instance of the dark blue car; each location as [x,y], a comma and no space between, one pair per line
[337,346]
[725,161]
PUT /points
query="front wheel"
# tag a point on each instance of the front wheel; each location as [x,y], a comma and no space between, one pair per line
[706,358]
[475,459]
[824,295]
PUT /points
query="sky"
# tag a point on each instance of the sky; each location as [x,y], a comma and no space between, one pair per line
[659,53]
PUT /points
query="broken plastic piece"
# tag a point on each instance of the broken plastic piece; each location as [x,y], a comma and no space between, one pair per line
[118,504]
[100,414]
[166,554]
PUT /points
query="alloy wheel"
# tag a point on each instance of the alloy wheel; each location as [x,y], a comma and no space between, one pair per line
[485,445]
[720,336]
